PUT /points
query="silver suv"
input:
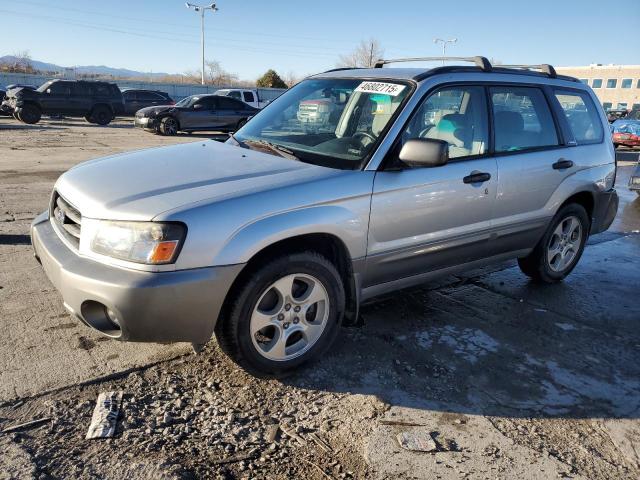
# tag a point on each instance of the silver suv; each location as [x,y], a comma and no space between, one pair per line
[273,239]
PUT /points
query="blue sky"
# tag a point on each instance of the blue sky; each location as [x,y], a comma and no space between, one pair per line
[303,37]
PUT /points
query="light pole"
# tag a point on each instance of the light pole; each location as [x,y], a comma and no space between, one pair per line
[444,45]
[202,9]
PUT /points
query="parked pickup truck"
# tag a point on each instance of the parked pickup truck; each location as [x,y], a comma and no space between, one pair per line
[256,97]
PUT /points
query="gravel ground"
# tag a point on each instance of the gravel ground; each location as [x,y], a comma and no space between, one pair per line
[503,378]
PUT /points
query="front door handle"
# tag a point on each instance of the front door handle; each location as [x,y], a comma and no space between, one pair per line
[562,163]
[477,177]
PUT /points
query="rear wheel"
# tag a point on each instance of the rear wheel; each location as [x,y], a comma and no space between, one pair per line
[101,115]
[29,114]
[559,250]
[89,119]
[284,314]
[168,126]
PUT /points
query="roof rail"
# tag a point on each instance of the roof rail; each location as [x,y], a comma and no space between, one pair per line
[544,68]
[481,62]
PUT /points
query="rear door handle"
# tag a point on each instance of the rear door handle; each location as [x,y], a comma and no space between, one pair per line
[477,177]
[562,163]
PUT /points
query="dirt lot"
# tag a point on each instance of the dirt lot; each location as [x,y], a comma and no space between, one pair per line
[507,379]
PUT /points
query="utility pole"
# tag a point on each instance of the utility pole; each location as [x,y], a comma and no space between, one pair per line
[201,9]
[444,45]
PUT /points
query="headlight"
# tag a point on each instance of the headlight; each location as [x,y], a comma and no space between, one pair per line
[141,242]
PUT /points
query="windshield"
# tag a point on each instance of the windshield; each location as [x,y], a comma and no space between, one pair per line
[188,101]
[42,88]
[331,122]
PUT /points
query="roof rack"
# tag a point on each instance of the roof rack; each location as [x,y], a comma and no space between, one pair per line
[481,62]
[544,68]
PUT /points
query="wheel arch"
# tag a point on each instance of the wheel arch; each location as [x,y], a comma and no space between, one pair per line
[326,244]
[583,198]
[101,104]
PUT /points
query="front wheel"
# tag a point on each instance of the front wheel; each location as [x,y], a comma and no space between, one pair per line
[29,114]
[168,126]
[284,314]
[559,250]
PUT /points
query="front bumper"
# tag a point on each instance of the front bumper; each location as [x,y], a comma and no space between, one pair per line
[146,123]
[176,306]
[604,210]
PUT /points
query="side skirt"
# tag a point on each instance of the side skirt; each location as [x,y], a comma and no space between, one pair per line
[382,288]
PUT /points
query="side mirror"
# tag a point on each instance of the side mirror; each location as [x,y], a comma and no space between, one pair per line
[49,90]
[197,106]
[425,152]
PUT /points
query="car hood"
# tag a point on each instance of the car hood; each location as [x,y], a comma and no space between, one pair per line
[141,185]
[151,111]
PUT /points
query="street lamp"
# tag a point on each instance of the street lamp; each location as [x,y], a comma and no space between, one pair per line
[444,45]
[202,9]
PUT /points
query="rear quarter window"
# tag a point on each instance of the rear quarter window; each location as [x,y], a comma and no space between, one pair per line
[582,116]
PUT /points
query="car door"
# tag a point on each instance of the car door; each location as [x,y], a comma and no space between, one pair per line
[80,99]
[425,219]
[202,115]
[230,112]
[56,98]
[533,160]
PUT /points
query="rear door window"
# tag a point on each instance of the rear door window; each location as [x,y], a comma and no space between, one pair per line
[248,96]
[582,116]
[522,119]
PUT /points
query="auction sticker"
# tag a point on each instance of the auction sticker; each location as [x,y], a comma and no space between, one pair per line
[392,89]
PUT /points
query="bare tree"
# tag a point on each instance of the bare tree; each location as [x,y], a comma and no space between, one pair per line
[364,55]
[291,79]
[216,75]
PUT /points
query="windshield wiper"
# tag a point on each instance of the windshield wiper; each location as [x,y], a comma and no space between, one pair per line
[274,147]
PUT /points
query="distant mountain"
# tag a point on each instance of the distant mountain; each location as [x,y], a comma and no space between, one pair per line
[85,69]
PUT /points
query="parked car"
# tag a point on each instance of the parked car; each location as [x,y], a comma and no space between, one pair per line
[271,240]
[626,131]
[626,134]
[97,102]
[195,113]
[613,115]
[137,99]
[255,97]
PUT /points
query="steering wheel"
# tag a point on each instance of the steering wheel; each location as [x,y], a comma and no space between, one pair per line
[366,135]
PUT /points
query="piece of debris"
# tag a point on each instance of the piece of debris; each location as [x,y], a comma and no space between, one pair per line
[105,415]
[272,432]
[23,426]
[402,423]
[293,435]
[320,442]
[417,441]
[237,458]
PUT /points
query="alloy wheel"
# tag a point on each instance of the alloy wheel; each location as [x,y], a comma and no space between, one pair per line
[564,244]
[289,317]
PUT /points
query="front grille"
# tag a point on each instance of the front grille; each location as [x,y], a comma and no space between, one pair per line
[67,218]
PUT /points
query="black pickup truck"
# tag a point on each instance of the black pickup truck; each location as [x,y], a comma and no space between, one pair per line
[97,102]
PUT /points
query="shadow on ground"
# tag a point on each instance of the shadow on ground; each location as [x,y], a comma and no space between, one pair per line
[499,345]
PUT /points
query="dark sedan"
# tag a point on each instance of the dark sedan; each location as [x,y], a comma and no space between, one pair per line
[136,99]
[194,114]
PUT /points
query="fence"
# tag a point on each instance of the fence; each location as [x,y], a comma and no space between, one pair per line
[176,91]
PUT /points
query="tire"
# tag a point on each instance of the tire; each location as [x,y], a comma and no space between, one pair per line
[560,248]
[258,300]
[168,126]
[241,124]
[89,119]
[29,114]
[101,115]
